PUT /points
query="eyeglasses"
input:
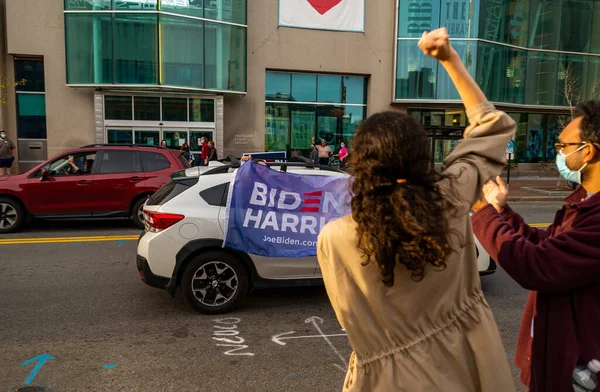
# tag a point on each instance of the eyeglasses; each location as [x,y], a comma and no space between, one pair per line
[560,146]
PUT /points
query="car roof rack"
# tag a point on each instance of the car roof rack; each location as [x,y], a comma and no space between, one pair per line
[122,145]
[292,162]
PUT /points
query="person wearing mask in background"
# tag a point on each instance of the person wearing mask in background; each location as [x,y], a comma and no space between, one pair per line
[204,151]
[324,153]
[212,156]
[314,154]
[401,270]
[187,154]
[7,154]
[163,144]
[343,155]
[560,265]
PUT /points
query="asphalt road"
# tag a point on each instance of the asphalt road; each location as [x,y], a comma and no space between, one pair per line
[83,304]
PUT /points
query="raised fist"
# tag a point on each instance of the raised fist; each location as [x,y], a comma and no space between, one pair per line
[436,44]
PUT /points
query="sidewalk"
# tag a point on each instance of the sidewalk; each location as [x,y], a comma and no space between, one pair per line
[538,189]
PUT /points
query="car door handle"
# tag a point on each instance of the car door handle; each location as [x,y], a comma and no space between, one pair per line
[135,179]
[83,182]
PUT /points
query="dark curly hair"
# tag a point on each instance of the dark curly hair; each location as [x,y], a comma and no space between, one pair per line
[401,212]
[590,124]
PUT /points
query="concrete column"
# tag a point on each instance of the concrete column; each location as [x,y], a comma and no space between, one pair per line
[99,117]
[219,125]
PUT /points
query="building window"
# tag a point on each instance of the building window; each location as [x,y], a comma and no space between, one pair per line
[225,56]
[302,108]
[118,107]
[505,21]
[135,49]
[88,39]
[202,110]
[233,11]
[415,72]
[503,49]
[174,109]
[118,43]
[144,119]
[148,108]
[534,141]
[542,85]
[501,72]
[182,67]
[31,99]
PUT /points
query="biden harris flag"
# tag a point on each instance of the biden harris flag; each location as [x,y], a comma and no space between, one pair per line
[277,214]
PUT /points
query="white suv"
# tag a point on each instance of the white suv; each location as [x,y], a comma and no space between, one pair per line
[182,243]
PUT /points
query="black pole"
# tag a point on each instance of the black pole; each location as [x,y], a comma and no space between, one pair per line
[508,176]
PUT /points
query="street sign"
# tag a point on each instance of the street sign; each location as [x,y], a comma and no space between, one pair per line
[510,149]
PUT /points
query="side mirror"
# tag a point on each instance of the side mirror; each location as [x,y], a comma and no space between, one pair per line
[45,175]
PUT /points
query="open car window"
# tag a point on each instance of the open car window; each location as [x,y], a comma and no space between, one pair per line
[82,163]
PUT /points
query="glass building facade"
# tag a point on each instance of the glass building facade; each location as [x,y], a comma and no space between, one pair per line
[182,44]
[301,108]
[532,55]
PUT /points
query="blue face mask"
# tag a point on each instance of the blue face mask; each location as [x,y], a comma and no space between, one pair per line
[563,169]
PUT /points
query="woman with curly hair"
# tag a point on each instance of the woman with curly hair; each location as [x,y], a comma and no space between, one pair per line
[401,271]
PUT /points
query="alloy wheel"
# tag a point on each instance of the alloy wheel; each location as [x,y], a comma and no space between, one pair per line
[8,216]
[140,213]
[214,283]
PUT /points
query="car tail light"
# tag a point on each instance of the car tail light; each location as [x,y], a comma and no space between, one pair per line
[158,221]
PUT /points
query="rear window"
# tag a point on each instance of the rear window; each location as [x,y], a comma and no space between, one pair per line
[152,161]
[217,195]
[119,161]
[170,190]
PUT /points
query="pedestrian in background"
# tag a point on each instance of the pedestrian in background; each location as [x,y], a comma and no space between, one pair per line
[187,154]
[7,154]
[212,155]
[204,151]
[401,270]
[163,144]
[343,155]
[561,265]
[314,154]
[324,152]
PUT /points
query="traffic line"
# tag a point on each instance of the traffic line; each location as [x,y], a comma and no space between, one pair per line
[120,238]
[52,240]
[540,225]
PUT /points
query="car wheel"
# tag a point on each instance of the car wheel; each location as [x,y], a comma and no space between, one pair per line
[12,215]
[214,282]
[137,213]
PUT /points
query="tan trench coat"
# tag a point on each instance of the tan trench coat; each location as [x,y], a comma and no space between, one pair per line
[438,334]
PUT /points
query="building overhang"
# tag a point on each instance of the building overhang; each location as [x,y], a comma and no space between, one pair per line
[147,88]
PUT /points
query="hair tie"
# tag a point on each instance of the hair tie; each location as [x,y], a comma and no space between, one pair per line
[401,181]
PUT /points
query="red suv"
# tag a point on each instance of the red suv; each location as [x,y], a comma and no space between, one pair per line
[95,181]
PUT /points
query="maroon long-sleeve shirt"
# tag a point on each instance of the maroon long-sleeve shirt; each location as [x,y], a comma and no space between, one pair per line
[561,264]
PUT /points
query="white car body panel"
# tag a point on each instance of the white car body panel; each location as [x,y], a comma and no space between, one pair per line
[204,221]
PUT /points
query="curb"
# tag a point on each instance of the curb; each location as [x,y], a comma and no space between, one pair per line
[546,193]
[536,198]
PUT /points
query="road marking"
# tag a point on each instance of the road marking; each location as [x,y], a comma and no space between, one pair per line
[39,361]
[120,238]
[279,339]
[540,225]
[51,240]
